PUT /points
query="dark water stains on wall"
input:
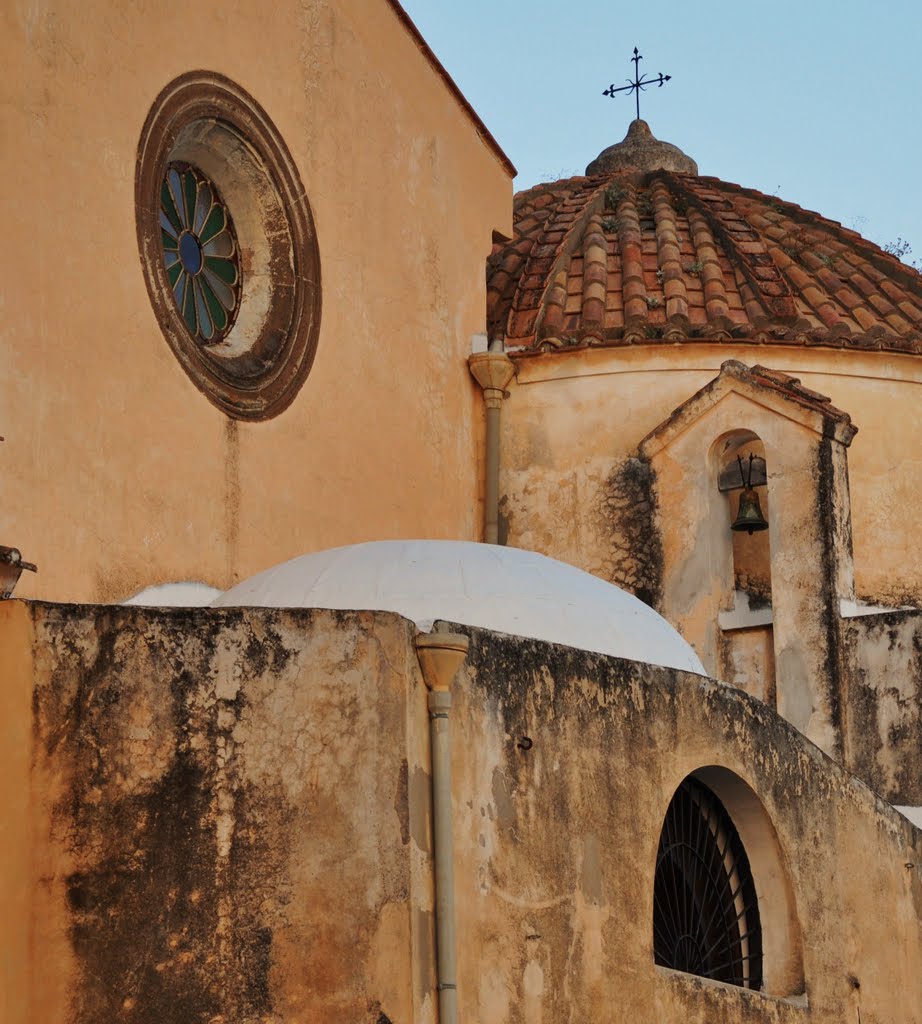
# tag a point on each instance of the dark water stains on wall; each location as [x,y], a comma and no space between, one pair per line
[628,518]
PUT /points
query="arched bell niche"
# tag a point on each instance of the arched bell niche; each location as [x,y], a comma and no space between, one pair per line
[741,462]
[740,485]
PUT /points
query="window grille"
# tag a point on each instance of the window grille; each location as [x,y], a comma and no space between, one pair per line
[705,909]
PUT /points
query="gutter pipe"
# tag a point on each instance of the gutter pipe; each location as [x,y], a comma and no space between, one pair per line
[440,656]
[493,371]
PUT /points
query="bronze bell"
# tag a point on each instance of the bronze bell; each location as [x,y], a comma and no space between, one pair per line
[749,516]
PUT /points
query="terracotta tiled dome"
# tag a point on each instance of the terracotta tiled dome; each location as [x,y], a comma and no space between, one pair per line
[643,249]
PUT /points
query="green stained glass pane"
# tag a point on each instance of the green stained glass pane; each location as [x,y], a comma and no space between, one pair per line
[214,223]
[190,190]
[169,207]
[173,274]
[224,269]
[217,311]
[188,311]
[168,242]
[225,295]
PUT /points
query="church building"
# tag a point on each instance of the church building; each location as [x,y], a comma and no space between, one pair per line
[426,604]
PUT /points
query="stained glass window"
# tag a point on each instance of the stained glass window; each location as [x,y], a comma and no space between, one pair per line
[200,252]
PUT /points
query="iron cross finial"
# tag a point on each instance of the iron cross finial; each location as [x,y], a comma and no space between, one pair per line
[640,82]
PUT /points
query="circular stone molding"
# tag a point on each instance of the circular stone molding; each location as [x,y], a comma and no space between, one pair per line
[253,369]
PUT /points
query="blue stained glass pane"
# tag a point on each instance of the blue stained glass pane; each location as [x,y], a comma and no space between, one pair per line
[176,189]
[170,258]
[190,253]
[166,225]
[179,289]
[168,207]
[188,307]
[189,190]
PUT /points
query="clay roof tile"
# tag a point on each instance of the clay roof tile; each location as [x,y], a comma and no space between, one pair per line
[678,252]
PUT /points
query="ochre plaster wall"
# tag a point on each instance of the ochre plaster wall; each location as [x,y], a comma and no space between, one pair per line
[884,703]
[125,475]
[556,845]
[18,970]
[693,521]
[227,824]
[573,420]
[229,819]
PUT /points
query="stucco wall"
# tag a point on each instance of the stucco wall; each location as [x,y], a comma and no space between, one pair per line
[225,825]
[573,421]
[228,818]
[558,845]
[573,488]
[884,706]
[124,474]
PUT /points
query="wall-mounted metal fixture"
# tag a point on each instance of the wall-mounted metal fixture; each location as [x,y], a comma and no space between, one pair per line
[11,566]
[733,478]
[749,514]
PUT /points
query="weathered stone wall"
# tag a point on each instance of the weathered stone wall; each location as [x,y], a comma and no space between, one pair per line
[557,837]
[658,527]
[227,820]
[573,418]
[226,823]
[884,705]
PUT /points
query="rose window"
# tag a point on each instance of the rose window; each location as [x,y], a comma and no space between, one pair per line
[200,253]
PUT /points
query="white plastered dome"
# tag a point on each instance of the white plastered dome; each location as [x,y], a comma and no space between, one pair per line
[503,589]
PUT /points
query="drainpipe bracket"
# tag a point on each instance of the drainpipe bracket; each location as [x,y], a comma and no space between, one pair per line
[440,656]
[493,371]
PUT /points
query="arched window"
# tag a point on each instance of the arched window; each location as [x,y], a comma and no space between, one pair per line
[705,909]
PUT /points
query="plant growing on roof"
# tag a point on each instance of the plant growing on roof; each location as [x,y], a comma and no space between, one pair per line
[901,248]
[644,204]
[613,195]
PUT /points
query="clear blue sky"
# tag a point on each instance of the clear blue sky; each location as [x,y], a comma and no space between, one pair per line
[817,101]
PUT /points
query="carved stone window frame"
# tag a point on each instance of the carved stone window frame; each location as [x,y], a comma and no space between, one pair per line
[208,121]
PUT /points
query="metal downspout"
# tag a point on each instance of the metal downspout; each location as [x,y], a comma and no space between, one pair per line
[493,371]
[440,657]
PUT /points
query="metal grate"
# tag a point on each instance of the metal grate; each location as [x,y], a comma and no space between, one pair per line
[705,910]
